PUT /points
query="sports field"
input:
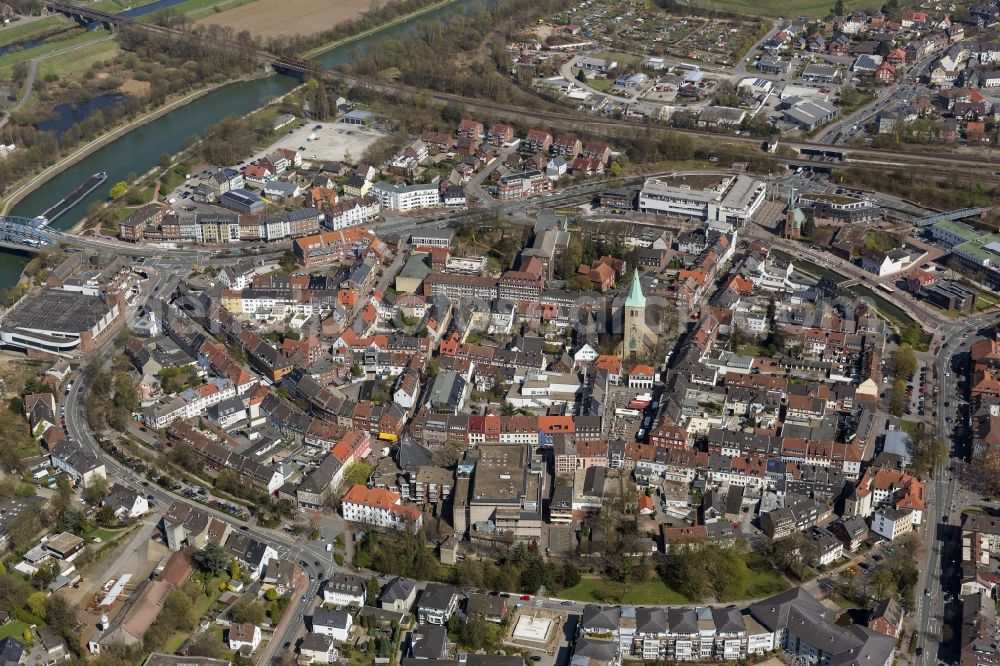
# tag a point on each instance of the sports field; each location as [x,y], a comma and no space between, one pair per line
[270,18]
[789,9]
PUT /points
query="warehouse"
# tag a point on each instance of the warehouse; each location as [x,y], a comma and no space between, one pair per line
[242,201]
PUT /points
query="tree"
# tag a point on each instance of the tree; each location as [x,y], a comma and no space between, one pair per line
[235,569]
[581,77]
[579,282]
[118,190]
[288,262]
[931,452]
[685,569]
[358,472]
[897,398]
[910,334]
[904,361]
[371,591]
[248,610]
[571,575]
[96,490]
[212,559]
[838,8]
[36,603]
[106,516]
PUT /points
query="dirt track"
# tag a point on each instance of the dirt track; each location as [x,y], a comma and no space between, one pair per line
[270,18]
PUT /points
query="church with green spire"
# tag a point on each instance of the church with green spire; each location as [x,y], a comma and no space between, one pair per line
[637,336]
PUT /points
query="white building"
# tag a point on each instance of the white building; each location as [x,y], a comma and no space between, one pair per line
[344,590]
[243,635]
[892,523]
[885,263]
[406,197]
[351,213]
[126,502]
[381,508]
[333,623]
[731,200]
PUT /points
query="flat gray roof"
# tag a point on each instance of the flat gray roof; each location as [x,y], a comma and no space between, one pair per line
[57,310]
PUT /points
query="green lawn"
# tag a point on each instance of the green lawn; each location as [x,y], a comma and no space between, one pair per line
[21,31]
[79,60]
[749,350]
[654,592]
[602,85]
[790,9]
[765,582]
[12,59]
[118,6]
[854,101]
[986,300]
[204,602]
[13,629]
[622,58]
[181,8]
[914,429]
[105,535]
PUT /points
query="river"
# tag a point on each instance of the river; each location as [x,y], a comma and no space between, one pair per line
[141,149]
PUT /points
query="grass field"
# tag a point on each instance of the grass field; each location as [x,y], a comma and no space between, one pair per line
[21,31]
[118,6]
[654,592]
[789,9]
[622,58]
[13,629]
[270,18]
[764,583]
[12,59]
[181,8]
[78,61]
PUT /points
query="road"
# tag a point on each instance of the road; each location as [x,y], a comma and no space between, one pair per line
[941,496]
[312,554]
[894,96]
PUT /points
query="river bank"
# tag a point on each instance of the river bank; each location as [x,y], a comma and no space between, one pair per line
[326,48]
[138,146]
[36,181]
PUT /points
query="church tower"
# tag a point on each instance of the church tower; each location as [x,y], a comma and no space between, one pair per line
[637,335]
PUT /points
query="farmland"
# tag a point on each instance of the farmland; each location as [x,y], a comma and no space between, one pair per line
[271,18]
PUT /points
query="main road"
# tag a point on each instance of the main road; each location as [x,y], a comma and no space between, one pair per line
[941,495]
[312,554]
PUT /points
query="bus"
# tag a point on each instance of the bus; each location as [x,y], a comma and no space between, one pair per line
[886,288]
[621,411]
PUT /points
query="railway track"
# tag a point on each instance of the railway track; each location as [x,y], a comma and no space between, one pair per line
[611,127]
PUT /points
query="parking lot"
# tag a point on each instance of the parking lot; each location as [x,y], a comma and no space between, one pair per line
[324,142]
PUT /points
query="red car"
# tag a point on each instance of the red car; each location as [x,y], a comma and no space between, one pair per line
[526,597]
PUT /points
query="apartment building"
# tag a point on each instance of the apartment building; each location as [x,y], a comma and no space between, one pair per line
[377,507]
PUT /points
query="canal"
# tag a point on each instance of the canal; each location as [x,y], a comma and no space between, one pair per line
[141,149]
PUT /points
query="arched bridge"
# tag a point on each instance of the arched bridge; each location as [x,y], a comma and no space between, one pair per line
[85,15]
[23,233]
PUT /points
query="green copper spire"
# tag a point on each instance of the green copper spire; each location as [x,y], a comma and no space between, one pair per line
[635,298]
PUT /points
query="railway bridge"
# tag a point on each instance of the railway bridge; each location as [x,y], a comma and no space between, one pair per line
[289,66]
